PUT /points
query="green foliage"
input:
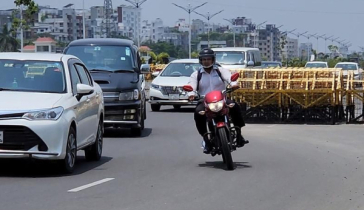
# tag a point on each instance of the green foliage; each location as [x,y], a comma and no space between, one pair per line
[7,42]
[28,15]
[164,47]
[194,54]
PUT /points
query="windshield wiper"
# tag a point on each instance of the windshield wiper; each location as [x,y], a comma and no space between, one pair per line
[98,70]
[1,89]
[122,70]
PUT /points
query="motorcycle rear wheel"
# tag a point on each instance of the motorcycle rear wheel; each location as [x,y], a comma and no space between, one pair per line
[225,149]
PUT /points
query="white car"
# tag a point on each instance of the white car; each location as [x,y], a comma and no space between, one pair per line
[316,64]
[350,66]
[53,108]
[166,88]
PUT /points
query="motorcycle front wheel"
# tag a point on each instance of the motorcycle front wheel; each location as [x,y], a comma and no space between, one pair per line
[225,149]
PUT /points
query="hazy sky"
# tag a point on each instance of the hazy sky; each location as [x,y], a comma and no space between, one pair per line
[341,18]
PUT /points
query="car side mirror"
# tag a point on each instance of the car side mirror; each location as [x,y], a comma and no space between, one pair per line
[234,77]
[187,88]
[145,69]
[83,90]
[156,73]
[251,63]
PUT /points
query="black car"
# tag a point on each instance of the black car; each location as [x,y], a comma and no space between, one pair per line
[115,65]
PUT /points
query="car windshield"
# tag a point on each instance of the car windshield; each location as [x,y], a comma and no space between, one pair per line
[230,58]
[180,69]
[316,65]
[32,76]
[107,58]
[346,66]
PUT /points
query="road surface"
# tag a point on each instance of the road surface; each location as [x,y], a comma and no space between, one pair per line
[285,167]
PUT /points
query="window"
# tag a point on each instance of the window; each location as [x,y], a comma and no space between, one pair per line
[180,69]
[75,79]
[32,76]
[82,72]
[230,58]
[108,58]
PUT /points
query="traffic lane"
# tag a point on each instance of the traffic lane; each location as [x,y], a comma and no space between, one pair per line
[37,178]
[168,170]
[283,174]
[280,170]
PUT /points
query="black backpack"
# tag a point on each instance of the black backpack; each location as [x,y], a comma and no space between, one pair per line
[199,76]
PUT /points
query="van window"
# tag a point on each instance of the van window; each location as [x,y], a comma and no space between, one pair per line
[230,57]
[108,58]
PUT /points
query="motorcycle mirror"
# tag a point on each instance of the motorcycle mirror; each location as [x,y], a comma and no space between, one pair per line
[234,77]
[187,88]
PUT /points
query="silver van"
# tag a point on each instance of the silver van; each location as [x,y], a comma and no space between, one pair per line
[238,57]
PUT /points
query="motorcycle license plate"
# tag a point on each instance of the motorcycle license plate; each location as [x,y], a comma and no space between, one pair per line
[173,96]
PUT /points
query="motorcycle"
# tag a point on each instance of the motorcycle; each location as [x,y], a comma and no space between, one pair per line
[223,135]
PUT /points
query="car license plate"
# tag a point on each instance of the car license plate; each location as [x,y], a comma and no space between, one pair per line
[174,96]
[1,137]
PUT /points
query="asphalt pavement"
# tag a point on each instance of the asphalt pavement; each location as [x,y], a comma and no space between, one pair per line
[285,167]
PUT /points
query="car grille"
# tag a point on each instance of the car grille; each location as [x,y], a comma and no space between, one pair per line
[116,113]
[111,96]
[171,90]
[19,138]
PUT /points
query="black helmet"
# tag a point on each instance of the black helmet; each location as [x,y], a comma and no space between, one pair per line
[207,53]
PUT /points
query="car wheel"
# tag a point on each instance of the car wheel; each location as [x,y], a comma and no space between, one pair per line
[138,131]
[94,152]
[155,107]
[68,163]
[145,111]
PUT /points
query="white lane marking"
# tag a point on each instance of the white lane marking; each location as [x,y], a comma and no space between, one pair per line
[90,185]
[269,126]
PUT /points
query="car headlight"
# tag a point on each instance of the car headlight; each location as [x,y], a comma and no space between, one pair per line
[128,96]
[154,86]
[217,106]
[48,114]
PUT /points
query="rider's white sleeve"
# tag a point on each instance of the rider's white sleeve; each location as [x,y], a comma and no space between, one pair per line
[226,75]
[193,83]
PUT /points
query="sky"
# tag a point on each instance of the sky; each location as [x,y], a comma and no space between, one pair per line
[336,18]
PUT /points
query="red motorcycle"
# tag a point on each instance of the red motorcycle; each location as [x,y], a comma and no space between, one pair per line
[223,134]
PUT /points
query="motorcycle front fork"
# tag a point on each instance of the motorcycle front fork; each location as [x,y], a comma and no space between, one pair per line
[235,132]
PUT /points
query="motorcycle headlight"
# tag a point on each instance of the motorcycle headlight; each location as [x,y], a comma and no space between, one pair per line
[49,114]
[128,96]
[217,106]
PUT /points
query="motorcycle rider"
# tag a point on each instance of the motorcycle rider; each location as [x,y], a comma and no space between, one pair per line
[208,78]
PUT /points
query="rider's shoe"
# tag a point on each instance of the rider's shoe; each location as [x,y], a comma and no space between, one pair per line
[207,146]
[241,141]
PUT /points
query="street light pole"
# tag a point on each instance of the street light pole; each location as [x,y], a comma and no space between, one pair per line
[21,28]
[287,49]
[208,17]
[298,39]
[189,9]
[232,22]
[83,19]
[326,38]
[271,44]
[137,4]
[255,36]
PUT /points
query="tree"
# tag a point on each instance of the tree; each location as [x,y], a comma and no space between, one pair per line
[163,58]
[194,54]
[7,42]
[168,48]
[28,15]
